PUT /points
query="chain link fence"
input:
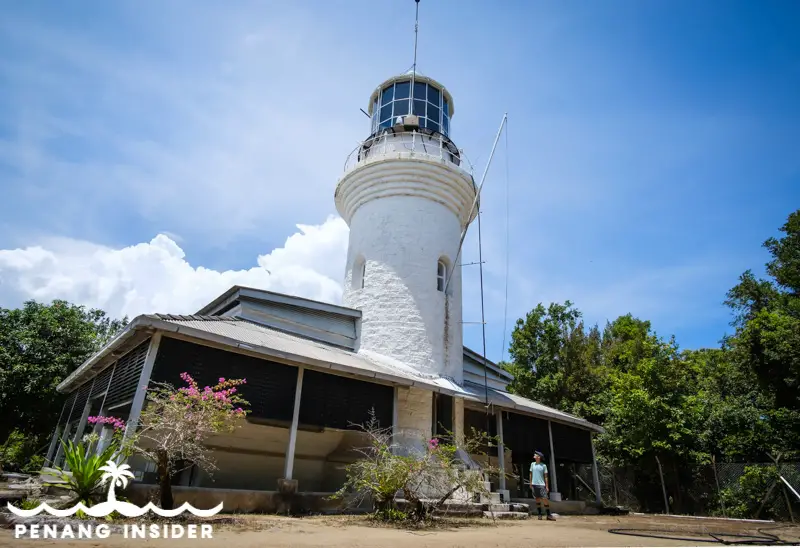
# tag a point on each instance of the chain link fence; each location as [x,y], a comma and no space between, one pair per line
[731,489]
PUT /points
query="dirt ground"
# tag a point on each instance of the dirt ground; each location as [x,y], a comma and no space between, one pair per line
[350,531]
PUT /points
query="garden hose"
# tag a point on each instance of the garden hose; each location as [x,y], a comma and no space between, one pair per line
[761,539]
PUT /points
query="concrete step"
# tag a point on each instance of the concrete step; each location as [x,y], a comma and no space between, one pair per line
[506,507]
[491,498]
[506,515]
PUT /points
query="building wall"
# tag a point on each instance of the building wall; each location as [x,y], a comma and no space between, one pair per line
[404,316]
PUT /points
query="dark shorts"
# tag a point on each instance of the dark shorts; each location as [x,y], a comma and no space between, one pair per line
[539,491]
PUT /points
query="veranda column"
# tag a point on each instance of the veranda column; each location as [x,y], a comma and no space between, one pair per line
[554,494]
[501,450]
[595,473]
[289,464]
[395,418]
[84,416]
[53,445]
[141,388]
[64,431]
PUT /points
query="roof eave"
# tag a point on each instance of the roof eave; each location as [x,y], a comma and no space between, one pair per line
[157,324]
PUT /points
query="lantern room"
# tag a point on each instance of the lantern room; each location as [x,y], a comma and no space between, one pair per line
[415,94]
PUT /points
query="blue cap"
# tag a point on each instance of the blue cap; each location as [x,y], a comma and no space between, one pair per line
[539,453]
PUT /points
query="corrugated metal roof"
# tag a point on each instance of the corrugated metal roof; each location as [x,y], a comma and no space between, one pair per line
[258,336]
[240,333]
[513,401]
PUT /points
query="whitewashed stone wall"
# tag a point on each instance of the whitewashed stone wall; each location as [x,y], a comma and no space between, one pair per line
[404,316]
[406,211]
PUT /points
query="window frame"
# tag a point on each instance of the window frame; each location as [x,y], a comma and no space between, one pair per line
[440,123]
[441,274]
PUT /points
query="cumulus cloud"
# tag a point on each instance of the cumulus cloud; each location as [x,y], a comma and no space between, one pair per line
[156,277]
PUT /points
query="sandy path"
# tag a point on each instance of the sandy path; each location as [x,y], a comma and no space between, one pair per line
[258,532]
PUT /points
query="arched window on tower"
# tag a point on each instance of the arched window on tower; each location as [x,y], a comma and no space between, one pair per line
[359,273]
[441,274]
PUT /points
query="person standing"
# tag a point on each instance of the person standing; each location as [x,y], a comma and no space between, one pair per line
[540,484]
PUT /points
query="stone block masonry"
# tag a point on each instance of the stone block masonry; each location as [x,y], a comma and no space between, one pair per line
[414,415]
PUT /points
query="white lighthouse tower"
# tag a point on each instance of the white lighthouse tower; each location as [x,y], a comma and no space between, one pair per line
[407,198]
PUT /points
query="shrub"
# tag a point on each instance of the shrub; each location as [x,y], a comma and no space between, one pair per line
[17,450]
[428,477]
[85,468]
[745,498]
[34,465]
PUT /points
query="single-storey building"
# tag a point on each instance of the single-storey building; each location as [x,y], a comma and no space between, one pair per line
[308,389]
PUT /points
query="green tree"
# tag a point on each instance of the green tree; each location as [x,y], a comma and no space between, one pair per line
[40,345]
[767,320]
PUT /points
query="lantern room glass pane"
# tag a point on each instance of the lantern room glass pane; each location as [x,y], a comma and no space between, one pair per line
[401,90]
[420,91]
[446,125]
[434,96]
[388,95]
[386,112]
[433,125]
[419,107]
[433,113]
[446,108]
[401,107]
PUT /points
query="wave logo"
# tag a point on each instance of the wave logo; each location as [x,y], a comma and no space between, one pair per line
[118,476]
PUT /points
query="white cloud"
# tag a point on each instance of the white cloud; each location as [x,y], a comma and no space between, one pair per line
[155,276]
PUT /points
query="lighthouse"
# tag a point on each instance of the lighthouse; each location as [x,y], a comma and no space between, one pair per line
[407,199]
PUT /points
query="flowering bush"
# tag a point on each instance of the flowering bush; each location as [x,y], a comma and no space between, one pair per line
[175,424]
[117,424]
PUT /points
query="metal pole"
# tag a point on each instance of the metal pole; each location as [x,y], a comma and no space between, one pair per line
[477,197]
[553,475]
[289,464]
[414,66]
[501,455]
[595,473]
[663,487]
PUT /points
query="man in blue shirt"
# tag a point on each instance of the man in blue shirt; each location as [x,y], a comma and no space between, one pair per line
[540,484]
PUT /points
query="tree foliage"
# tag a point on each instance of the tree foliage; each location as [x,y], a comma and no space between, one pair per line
[40,345]
[740,401]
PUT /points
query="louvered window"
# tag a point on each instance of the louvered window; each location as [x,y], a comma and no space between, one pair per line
[340,402]
[270,386]
[126,375]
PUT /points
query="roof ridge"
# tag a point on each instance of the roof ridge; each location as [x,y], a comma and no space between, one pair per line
[196,317]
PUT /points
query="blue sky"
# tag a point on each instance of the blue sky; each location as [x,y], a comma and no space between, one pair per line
[652,147]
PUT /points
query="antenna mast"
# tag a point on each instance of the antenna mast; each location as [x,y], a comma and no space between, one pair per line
[414,66]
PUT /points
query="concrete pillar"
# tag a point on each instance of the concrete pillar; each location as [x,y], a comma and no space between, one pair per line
[289,463]
[554,493]
[595,473]
[141,388]
[395,411]
[501,450]
[458,420]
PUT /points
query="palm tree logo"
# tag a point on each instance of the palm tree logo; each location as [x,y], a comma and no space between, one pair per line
[118,475]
